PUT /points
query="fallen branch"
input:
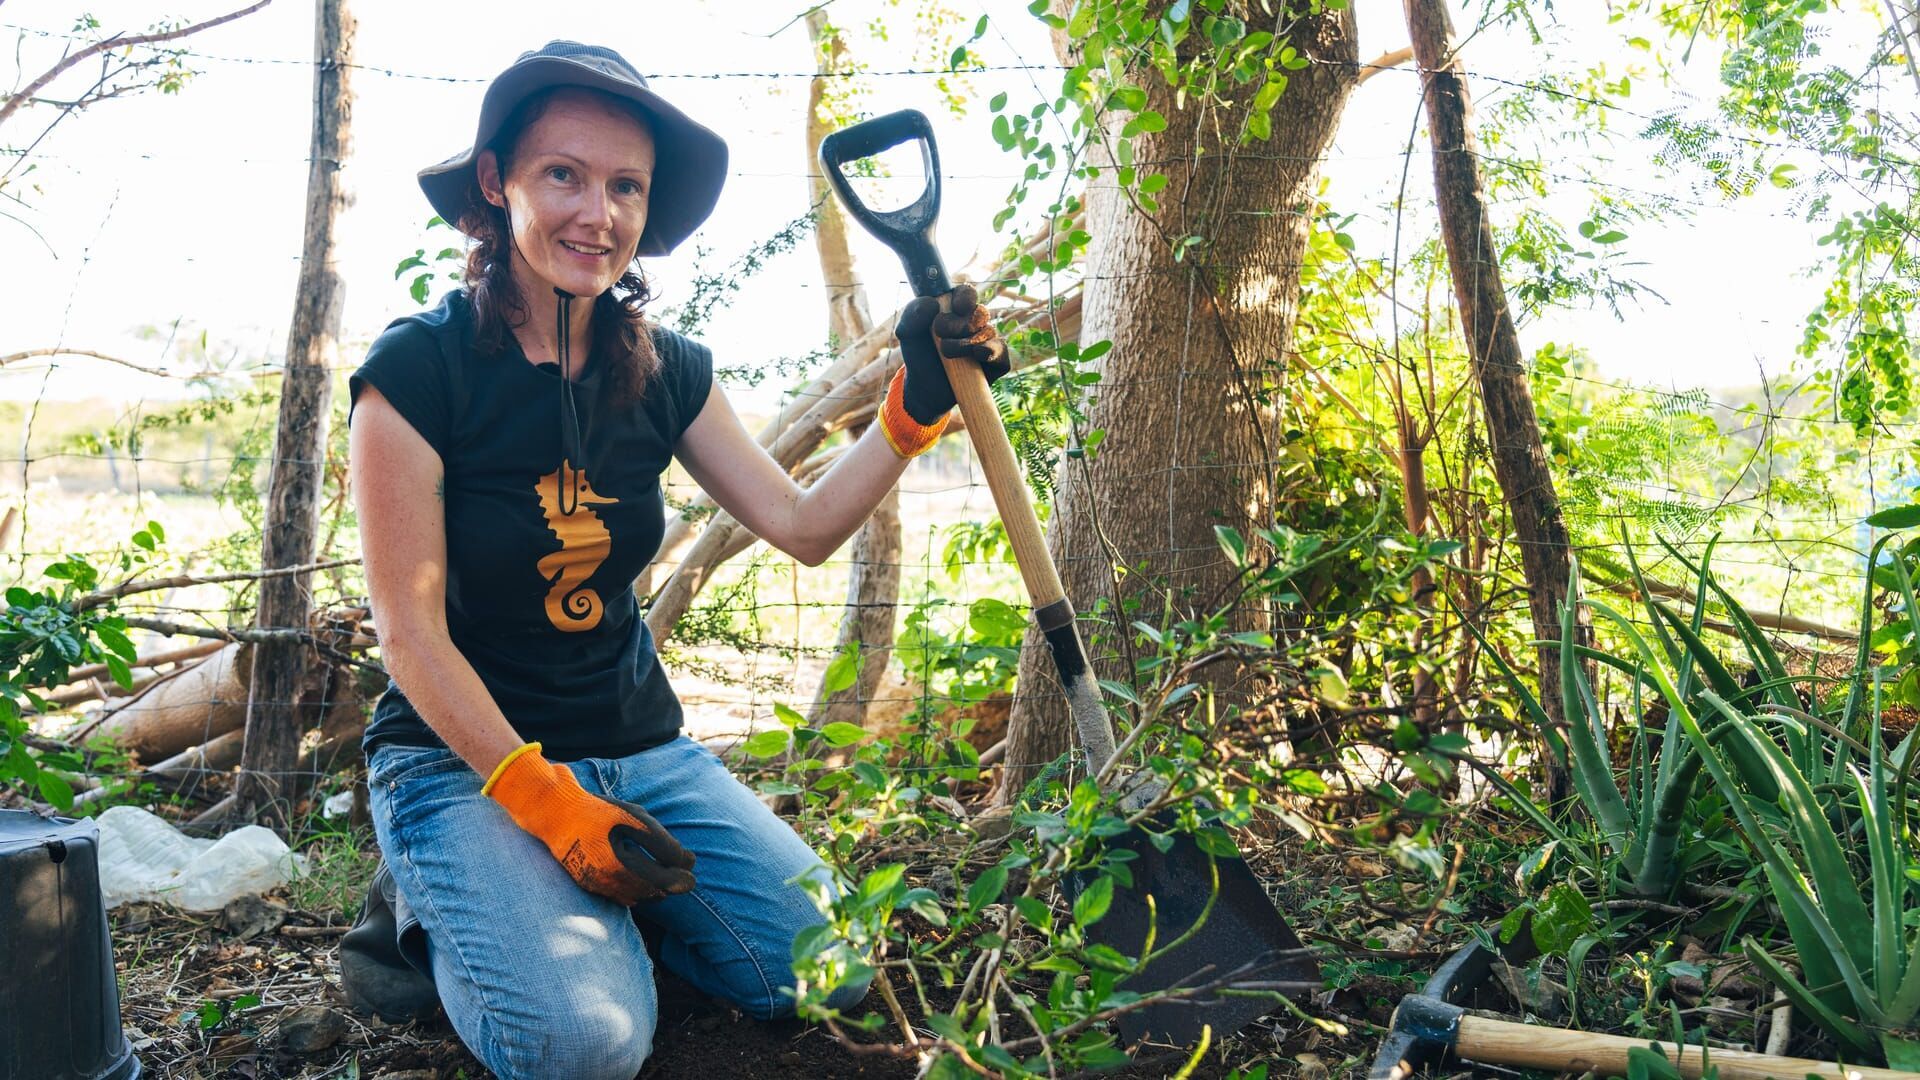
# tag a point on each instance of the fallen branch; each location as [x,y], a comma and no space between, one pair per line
[170,656]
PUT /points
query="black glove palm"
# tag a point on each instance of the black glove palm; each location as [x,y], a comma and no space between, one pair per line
[964,333]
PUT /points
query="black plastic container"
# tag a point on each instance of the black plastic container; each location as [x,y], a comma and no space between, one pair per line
[59,1001]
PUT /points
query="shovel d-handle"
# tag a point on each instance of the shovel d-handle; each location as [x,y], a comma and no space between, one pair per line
[908,230]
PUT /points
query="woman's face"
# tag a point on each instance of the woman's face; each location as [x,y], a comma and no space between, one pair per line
[576,192]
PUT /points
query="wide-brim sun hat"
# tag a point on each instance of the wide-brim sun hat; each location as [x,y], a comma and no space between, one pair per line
[690,162]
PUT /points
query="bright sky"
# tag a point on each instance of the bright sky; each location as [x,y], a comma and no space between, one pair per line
[156,208]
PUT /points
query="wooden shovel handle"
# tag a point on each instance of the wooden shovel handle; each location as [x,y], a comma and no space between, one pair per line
[1004,479]
[1501,1042]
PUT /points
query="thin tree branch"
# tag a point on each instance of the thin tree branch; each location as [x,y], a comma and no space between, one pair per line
[182,581]
[29,354]
[33,88]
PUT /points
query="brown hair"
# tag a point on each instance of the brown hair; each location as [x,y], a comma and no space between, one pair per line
[621,336]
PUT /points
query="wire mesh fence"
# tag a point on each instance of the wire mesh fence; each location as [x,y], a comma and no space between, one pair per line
[85,483]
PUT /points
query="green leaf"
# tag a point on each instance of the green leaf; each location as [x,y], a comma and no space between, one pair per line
[1092,903]
[987,888]
[1560,918]
[787,715]
[1224,31]
[1179,11]
[115,641]
[1232,543]
[844,671]
[765,744]
[841,733]
[1217,842]
[55,790]
[1146,122]
[879,884]
[999,102]
[1108,957]
[1898,517]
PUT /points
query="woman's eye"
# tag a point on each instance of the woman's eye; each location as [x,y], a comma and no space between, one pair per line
[560,173]
[631,187]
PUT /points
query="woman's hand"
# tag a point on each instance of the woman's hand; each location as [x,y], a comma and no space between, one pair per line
[964,333]
[612,848]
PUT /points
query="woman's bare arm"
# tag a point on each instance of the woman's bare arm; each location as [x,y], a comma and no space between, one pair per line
[397,491]
[807,523]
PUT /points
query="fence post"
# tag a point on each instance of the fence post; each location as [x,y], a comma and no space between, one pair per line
[299,447]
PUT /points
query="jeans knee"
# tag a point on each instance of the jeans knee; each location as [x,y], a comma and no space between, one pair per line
[595,1043]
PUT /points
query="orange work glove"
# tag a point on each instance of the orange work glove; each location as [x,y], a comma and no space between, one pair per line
[612,848]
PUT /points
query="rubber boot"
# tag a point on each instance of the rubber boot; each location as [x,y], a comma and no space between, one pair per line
[374,974]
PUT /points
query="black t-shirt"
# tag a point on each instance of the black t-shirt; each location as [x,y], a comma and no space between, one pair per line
[542,553]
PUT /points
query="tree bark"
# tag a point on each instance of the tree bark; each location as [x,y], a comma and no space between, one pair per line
[1513,430]
[293,492]
[1196,340]
[873,571]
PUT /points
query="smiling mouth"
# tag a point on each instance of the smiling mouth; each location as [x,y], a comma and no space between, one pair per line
[583,249]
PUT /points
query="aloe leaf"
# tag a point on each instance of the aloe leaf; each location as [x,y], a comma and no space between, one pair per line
[1587,741]
[1912,611]
[1856,692]
[1752,768]
[1529,809]
[1718,677]
[1901,1053]
[1600,656]
[1880,860]
[1758,647]
[1840,917]
[1806,1000]
[1528,702]
[1675,658]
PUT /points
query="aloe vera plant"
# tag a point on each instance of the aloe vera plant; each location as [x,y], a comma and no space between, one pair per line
[1847,916]
[1641,811]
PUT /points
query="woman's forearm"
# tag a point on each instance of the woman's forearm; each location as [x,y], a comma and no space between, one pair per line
[447,693]
[838,503]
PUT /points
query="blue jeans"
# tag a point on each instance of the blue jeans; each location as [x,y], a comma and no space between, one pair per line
[542,978]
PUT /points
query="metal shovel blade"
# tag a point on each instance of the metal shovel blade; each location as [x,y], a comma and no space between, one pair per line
[1242,927]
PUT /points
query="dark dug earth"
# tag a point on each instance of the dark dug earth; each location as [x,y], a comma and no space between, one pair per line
[255,993]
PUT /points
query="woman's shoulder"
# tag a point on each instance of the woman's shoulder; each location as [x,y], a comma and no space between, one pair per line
[451,317]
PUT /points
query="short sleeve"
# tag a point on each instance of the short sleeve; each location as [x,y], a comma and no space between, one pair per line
[408,368]
[687,372]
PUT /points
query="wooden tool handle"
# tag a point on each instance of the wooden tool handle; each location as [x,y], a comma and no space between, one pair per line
[1004,479]
[1051,608]
[1501,1042]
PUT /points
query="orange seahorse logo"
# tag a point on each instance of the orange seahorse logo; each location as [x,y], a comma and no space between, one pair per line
[584,545]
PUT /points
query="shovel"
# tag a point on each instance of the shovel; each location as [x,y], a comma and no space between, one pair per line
[1242,935]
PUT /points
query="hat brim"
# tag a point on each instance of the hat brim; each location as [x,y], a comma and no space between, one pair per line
[690,161]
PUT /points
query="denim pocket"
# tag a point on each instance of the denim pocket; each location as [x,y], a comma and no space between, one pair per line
[393,765]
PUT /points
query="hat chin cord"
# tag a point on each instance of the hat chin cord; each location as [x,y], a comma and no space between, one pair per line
[572,445]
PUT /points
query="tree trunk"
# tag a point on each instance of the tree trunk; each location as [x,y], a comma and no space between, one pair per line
[293,492]
[1513,430]
[873,573]
[1188,441]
